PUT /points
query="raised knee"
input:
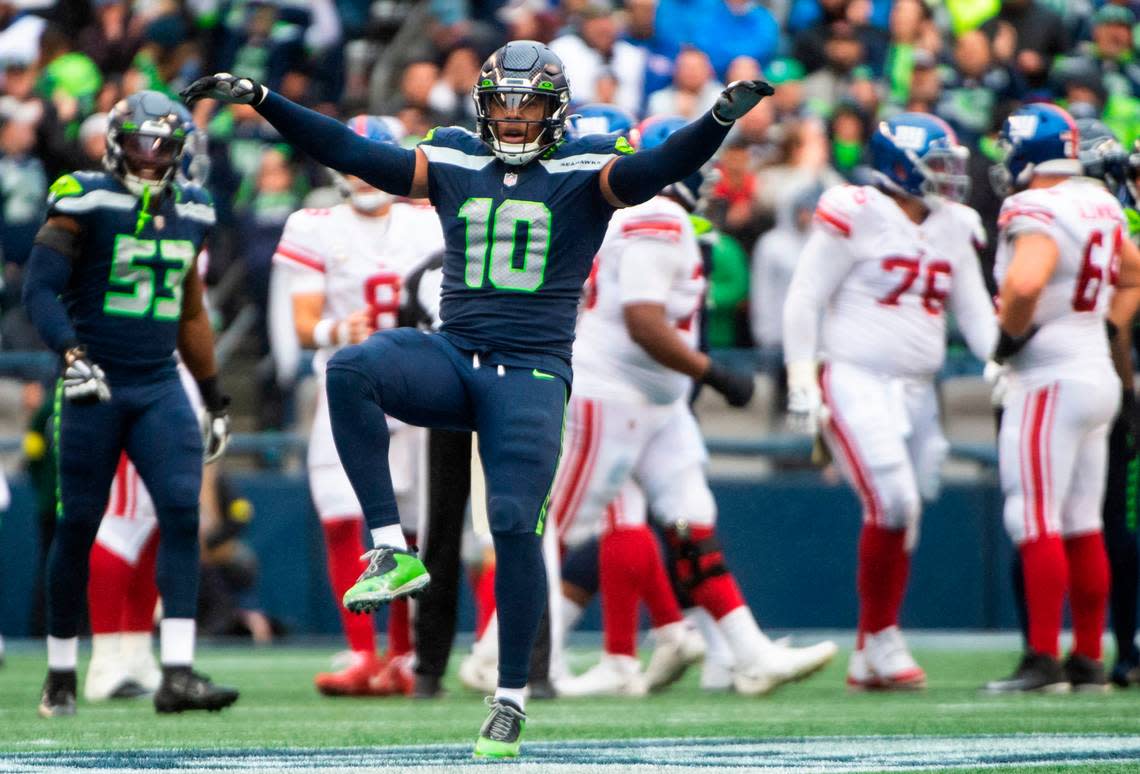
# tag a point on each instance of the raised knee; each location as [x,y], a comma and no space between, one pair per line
[508,514]
[343,381]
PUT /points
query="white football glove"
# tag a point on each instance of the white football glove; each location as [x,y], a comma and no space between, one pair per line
[215,435]
[83,381]
[997,377]
[805,403]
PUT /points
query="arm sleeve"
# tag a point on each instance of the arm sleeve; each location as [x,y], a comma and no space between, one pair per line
[824,263]
[45,278]
[641,176]
[383,165]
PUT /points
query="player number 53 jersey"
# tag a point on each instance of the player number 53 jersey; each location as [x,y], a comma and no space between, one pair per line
[357,262]
[884,284]
[1087,225]
[649,254]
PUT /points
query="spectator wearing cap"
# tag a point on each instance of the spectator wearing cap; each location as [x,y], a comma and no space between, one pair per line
[1038,36]
[641,31]
[594,45]
[787,78]
[694,88]
[973,87]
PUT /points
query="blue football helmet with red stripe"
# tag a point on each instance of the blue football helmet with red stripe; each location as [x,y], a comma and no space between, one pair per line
[916,154]
[1037,139]
[378,129]
[598,118]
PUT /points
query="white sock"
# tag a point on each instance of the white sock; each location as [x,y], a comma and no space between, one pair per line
[63,653]
[176,638]
[133,644]
[392,535]
[743,634]
[516,696]
[717,650]
[105,648]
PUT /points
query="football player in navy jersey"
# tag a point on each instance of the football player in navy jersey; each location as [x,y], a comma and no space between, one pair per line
[111,286]
[523,209]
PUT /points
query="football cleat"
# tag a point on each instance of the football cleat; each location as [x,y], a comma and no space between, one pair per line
[1037,673]
[395,678]
[354,679]
[58,699]
[1085,675]
[1125,673]
[678,648]
[110,680]
[428,687]
[501,734]
[614,675]
[779,664]
[716,676]
[479,672]
[184,689]
[889,660]
[859,675]
[391,574]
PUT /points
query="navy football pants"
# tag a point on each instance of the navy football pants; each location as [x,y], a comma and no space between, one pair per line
[518,413]
[155,424]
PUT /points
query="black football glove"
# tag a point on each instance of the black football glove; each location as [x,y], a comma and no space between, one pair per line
[1009,345]
[738,98]
[736,387]
[216,420]
[83,381]
[224,87]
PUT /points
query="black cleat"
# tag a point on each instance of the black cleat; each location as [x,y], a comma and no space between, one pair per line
[428,687]
[58,699]
[1037,672]
[1126,672]
[184,689]
[1085,675]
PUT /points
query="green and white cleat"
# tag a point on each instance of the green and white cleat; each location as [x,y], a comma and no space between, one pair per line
[391,574]
[501,734]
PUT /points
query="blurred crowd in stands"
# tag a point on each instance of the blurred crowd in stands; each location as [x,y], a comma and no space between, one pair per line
[838,67]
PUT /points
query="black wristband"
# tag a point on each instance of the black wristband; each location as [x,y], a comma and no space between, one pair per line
[1009,345]
[212,395]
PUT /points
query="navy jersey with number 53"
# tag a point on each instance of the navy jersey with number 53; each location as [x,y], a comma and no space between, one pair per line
[124,296]
[520,241]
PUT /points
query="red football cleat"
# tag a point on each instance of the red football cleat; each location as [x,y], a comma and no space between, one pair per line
[354,679]
[395,678]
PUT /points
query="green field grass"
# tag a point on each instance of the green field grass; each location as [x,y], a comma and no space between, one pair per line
[279,711]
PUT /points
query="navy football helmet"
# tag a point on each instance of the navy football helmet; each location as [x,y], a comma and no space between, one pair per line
[1103,157]
[656,130]
[602,119]
[514,77]
[916,154]
[1037,139]
[146,135]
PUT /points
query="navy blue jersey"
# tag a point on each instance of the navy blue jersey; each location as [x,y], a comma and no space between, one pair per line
[520,240]
[124,295]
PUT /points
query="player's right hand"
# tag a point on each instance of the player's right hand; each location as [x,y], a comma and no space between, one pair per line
[996,376]
[736,387]
[738,98]
[805,402]
[224,87]
[83,381]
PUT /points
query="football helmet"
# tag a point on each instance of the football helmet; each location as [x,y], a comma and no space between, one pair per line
[654,131]
[1103,157]
[602,119]
[377,129]
[146,137]
[513,77]
[1037,139]
[916,154]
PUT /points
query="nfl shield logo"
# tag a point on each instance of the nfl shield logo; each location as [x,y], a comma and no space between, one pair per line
[510,179]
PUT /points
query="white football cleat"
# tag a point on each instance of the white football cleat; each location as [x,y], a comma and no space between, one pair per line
[479,673]
[859,675]
[678,648]
[889,660]
[137,653]
[108,676]
[776,665]
[716,676]
[612,676]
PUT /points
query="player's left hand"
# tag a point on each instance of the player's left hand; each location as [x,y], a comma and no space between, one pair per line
[738,98]
[997,377]
[736,387]
[232,89]
[83,380]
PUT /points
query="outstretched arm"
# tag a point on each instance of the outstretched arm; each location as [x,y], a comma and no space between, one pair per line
[631,180]
[398,171]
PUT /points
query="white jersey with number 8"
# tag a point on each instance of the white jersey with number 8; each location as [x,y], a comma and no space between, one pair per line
[1087,224]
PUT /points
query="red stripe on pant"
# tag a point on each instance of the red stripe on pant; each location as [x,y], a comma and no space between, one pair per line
[850,451]
[581,442]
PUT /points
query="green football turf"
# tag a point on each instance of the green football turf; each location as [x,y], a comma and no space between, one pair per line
[280,709]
